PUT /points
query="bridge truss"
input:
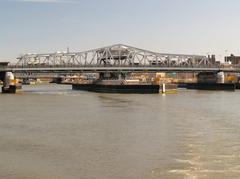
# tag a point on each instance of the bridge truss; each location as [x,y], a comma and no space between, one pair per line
[118,55]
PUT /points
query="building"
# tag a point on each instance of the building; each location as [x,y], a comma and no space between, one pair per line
[3,64]
[233,60]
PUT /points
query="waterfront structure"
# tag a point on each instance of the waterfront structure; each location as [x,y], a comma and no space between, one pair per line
[232,60]
[113,58]
[118,55]
[116,59]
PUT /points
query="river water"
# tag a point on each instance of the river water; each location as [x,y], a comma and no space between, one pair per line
[52,132]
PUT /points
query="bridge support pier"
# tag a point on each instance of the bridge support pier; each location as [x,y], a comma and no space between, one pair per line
[211,81]
[207,77]
[10,84]
[210,77]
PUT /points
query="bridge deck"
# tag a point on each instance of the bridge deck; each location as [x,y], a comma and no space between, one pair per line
[115,58]
[115,69]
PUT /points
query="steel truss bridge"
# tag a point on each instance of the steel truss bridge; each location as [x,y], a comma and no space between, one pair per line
[115,58]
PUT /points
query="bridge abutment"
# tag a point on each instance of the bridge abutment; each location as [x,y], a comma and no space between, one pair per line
[211,77]
[10,84]
[211,81]
[207,77]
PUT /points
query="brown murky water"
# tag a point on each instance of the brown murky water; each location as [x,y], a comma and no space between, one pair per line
[52,132]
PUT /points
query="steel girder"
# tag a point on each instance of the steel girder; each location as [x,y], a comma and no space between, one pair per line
[115,56]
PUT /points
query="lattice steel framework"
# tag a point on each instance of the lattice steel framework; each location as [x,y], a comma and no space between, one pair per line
[114,56]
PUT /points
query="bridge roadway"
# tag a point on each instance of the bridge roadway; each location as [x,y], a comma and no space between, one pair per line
[96,69]
[114,58]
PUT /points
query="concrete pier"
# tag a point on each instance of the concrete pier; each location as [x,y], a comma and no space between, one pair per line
[210,81]
[10,84]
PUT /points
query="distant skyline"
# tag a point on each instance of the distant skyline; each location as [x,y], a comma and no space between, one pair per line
[168,26]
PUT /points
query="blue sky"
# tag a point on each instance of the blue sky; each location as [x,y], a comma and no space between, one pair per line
[171,26]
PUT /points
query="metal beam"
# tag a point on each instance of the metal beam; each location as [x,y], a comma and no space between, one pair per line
[115,69]
[118,55]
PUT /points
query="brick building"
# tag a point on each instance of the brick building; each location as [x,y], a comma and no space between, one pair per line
[234,60]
